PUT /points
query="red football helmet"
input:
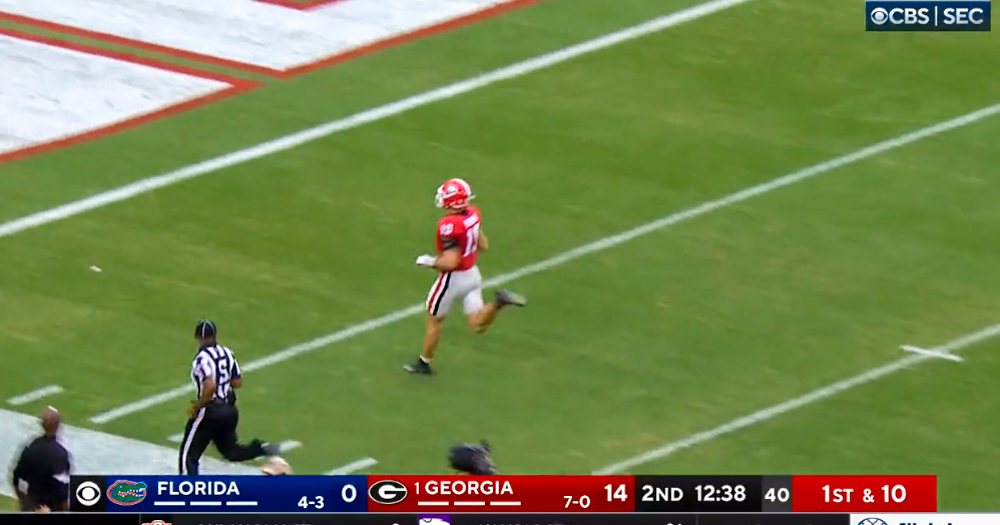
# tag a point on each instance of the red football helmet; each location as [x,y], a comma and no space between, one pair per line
[454,194]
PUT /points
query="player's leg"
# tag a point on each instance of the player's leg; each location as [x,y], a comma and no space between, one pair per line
[481,316]
[25,503]
[227,442]
[432,334]
[439,301]
[197,435]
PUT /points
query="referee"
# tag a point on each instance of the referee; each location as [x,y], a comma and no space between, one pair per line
[214,415]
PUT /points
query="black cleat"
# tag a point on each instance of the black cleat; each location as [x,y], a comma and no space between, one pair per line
[507,297]
[271,449]
[420,367]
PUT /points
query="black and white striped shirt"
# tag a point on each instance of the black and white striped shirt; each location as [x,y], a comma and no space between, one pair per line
[217,362]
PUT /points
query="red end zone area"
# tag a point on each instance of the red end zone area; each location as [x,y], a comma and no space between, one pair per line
[423,25]
[193,36]
[189,93]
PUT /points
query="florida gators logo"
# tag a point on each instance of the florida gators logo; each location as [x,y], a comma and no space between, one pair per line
[124,492]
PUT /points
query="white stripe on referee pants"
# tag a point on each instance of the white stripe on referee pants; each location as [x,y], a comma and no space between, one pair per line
[190,438]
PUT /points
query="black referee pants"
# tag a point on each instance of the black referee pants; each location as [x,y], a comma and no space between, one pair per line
[216,423]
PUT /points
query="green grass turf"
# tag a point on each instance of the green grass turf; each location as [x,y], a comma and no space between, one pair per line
[672,334]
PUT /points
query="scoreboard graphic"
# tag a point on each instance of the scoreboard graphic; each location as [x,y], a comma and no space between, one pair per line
[457,500]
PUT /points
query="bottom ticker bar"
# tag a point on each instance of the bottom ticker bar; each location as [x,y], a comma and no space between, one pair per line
[425,519]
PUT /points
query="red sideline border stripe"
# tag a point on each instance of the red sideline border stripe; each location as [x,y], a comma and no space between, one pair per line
[138,44]
[380,45]
[299,6]
[237,85]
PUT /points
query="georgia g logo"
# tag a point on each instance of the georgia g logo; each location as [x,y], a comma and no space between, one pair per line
[387,492]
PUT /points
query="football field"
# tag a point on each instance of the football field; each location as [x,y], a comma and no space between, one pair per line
[728,217]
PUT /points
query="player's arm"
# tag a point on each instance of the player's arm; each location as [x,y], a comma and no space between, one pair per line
[451,256]
[484,243]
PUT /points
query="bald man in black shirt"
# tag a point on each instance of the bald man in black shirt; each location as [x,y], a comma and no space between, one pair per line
[41,476]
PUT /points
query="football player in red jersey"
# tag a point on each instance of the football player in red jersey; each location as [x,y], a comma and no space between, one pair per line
[459,241]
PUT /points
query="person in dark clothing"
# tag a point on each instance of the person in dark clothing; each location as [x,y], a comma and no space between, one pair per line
[41,476]
[473,459]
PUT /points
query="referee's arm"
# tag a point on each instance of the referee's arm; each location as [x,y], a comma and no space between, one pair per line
[237,375]
[207,376]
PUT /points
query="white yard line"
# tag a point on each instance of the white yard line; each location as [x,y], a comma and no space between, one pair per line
[176,438]
[353,466]
[931,353]
[799,402]
[35,395]
[576,253]
[372,115]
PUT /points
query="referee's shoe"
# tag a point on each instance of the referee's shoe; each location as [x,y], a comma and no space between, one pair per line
[214,415]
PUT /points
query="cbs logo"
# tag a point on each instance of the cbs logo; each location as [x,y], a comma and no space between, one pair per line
[88,493]
[880,15]
[900,15]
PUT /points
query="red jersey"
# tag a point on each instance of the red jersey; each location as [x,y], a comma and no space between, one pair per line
[460,230]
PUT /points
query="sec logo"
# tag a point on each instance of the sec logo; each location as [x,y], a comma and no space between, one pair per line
[880,15]
[387,492]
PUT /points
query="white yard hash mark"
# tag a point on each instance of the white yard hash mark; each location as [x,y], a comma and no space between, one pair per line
[562,258]
[353,466]
[288,446]
[805,400]
[35,395]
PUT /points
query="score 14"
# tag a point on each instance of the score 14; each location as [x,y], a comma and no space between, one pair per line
[616,493]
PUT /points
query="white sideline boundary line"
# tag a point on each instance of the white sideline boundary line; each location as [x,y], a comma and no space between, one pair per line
[365,117]
[805,400]
[35,395]
[353,466]
[931,353]
[576,253]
